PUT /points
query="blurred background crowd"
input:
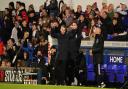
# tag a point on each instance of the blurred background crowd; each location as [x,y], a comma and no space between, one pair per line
[24,33]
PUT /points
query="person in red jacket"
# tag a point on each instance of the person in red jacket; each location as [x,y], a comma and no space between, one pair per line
[1,48]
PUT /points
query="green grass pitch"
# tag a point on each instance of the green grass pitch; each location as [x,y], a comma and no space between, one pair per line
[25,86]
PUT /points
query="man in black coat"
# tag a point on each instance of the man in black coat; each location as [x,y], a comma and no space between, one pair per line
[74,39]
[62,54]
[97,51]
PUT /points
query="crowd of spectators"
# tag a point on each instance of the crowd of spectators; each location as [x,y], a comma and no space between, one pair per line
[24,33]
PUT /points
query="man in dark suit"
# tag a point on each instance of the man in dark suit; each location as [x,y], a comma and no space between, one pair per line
[62,54]
[97,51]
[74,39]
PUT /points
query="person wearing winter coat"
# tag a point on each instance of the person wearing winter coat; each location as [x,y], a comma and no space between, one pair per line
[62,54]
[97,51]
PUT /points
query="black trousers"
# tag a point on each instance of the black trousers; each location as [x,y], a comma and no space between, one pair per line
[98,74]
[52,75]
[60,72]
[72,70]
[98,59]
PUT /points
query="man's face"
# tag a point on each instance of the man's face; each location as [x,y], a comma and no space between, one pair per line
[88,8]
[63,30]
[123,6]
[114,22]
[79,8]
[40,21]
[44,12]
[10,43]
[116,15]
[97,30]
[24,23]
[67,12]
[53,51]
[34,27]
[17,6]
[81,17]
[6,11]
[74,26]
[16,24]
[54,24]
[39,53]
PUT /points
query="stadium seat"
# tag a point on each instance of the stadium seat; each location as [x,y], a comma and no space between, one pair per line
[121,72]
[103,68]
[90,67]
[90,72]
[111,72]
[90,76]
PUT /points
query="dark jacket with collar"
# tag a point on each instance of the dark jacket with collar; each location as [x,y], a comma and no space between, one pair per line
[97,49]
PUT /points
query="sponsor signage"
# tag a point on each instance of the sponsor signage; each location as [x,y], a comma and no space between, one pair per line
[13,76]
